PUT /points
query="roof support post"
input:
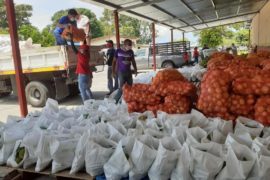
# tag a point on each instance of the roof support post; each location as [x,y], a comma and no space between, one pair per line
[116,26]
[16,56]
[154,46]
[172,39]
[183,36]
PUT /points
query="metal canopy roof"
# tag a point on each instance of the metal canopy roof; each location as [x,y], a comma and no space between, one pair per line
[186,15]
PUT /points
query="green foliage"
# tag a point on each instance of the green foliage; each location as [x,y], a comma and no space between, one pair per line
[241,37]
[96,27]
[224,35]
[19,154]
[47,37]
[23,13]
[3,31]
[212,37]
[29,31]
[128,27]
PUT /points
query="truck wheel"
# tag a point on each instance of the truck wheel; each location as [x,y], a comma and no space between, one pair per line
[167,64]
[37,93]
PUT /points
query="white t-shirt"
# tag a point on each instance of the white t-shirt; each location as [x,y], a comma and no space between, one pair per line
[82,22]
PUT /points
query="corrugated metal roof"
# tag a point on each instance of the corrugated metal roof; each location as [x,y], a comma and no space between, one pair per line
[186,15]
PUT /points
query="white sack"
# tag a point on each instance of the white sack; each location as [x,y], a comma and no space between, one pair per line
[79,157]
[43,151]
[12,159]
[98,152]
[252,127]
[239,163]
[8,138]
[62,151]
[181,172]
[142,157]
[166,159]
[30,142]
[206,160]
[196,135]
[118,165]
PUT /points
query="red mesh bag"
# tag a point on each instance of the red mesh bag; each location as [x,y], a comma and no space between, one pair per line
[214,96]
[78,34]
[242,105]
[258,85]
[136,107]
[262,110]
[177,88]
[166,76]
[177,104]
[143,96]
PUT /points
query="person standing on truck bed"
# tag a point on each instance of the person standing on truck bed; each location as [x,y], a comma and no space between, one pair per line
[110,55]
[122,61]
[83,69]
[62,24]
[83,22]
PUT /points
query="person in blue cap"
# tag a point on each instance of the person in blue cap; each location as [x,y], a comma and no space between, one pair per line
[64,22]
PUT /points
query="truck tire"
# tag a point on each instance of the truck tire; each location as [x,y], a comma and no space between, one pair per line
[37,93]
[167,64]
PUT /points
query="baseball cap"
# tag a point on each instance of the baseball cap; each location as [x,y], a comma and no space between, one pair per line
[109,41]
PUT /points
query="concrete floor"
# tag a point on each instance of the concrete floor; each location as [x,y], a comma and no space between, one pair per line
[9,105]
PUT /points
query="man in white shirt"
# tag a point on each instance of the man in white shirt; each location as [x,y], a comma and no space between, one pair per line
[83,22]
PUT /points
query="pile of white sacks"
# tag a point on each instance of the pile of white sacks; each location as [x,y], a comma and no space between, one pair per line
[101,137]
[191,73]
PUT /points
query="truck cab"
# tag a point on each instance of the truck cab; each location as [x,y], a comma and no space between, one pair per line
[168,55]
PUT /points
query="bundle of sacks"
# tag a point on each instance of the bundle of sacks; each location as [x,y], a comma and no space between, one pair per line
[169,92]
[78,34]
[236,86]
[104,140]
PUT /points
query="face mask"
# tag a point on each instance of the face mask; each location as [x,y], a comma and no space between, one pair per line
[128,48]
[72,19]
[108,45]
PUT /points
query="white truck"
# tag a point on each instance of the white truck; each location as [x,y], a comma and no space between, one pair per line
[168,55]
[48,73]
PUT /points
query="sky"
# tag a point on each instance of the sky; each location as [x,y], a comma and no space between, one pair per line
[44,9]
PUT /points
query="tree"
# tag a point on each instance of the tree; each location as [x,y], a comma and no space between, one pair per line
[23,13]
[29,31]
[242,37]
[212,37]
[47,37]
[107,22]
[96,28]
[128,26]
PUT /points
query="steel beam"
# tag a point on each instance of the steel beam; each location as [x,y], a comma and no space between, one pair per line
[16,56]
[192,11]
[154,46]
[139,5]
[245,14]
[214,6]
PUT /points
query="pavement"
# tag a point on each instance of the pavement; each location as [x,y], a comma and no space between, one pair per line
[9,105]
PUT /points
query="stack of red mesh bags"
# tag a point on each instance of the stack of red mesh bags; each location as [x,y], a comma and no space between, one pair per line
[169,92]
[78,34]
[239,88]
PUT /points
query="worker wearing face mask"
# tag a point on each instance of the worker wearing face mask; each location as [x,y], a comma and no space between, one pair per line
[62,24]
[123,59]
[83,69]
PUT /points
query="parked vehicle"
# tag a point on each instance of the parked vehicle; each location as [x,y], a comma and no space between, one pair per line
[168,55]
[48,73]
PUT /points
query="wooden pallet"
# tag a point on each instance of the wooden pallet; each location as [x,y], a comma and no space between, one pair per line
[30,173]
